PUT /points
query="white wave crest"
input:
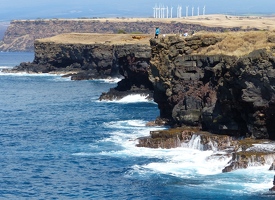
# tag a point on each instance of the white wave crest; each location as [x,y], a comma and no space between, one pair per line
[27,74]
[133,98]
[5,67]
[109,80]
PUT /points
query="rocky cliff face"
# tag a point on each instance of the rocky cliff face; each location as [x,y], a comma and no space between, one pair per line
[217,93]
[133,67]
[91,61]
[21,34]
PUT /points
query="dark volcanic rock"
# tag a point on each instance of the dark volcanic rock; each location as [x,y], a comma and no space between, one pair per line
[93,61]
[218,93]
[133,66]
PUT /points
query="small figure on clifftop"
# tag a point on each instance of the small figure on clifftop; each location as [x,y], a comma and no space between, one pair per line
[273,188]
[157,32]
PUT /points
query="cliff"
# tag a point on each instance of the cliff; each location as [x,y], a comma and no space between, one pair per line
[86,56]
[219,88]
[222,83]
[219,84]
[21,34]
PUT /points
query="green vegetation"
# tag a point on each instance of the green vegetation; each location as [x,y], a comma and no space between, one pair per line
[120,31]
[136,32]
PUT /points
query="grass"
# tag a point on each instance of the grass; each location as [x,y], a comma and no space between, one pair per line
[238,43]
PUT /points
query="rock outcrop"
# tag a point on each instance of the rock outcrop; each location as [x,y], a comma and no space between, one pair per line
[242,153]
[216,99]
[89,56]
[134,69]
[222,94]
[21,34]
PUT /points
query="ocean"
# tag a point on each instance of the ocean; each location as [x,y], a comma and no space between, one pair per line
[58,141]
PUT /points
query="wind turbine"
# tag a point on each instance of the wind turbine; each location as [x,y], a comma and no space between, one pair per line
[203,11]
[187,11]
[198,11]
[180,11]
[156,9]
[159,11]
[171,12]
[167,12]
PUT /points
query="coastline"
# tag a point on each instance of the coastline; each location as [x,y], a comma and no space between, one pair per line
[188,65]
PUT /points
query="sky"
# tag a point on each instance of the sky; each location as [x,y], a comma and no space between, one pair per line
[34,9]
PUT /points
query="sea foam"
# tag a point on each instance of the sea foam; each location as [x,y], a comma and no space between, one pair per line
[133,98]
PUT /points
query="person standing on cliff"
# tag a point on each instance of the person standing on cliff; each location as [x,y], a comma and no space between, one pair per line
[157,32]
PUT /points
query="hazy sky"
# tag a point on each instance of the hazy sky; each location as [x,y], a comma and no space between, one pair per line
[32,9]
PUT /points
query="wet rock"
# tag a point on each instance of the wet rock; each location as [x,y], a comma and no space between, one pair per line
[245,159]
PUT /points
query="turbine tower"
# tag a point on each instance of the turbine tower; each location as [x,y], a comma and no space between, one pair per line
[171,12]
[198,11]
[156,8]
[187,11]
[160,11]
[192,11]
[155,12]
[179,11]
[167,12]
[203,11]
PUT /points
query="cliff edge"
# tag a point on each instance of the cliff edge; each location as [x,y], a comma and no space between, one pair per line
[219,90]
[222,83]
[86,55]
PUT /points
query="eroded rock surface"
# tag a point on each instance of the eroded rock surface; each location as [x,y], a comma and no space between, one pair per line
[88,56]
[221,94]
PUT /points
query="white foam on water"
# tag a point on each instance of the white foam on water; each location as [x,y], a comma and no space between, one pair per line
[184,162]
[59,78]
[5,67]
[133,98]
[129,124]
[253,179]
[270,147]
[109,80]
[187,162]
[83,154]
[27,74]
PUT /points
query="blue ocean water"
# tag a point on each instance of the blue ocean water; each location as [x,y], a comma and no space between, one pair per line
[57,141]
